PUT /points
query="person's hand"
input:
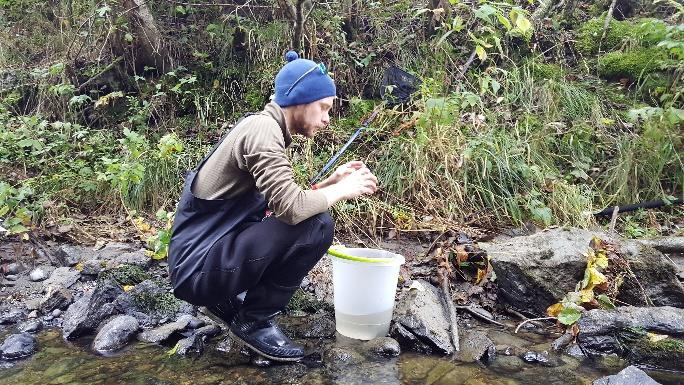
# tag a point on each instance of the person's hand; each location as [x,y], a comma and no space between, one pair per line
[352,185]
[341,172]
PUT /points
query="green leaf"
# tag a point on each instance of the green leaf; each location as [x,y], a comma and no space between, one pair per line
[605,301]
[569,316]
[481,53]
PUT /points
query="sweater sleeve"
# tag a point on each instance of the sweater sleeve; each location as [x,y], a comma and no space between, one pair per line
[263,156]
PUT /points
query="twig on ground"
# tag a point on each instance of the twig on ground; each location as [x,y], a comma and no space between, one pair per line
[613,219]
[533,319]
[479,315]
[452,313]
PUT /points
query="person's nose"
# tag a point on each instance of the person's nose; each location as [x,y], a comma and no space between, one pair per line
[326,119]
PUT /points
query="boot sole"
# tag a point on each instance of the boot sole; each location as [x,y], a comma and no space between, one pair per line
[270,357]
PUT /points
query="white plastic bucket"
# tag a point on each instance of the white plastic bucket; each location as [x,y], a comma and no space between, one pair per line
[364,290]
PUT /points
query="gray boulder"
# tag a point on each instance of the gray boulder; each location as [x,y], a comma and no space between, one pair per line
[30,326]
[476,346]
[61,277]
[163,332]
[625,331]
[137,258]
[535,271]
[18,346]
[116,333]
[69,255]
[59,298]
[382,347]
[630,375]
[84,315]
[420,323]
[191,346]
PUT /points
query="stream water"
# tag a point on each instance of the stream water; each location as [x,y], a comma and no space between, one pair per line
[60,362]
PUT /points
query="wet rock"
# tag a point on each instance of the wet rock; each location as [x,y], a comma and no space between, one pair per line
[11,277]
[12,316]
[226,345]
[625,331]
[31,326]
[191,346]
[111,251]
[69,255]
[33,314]
[631,375]
[532,357]
[534,271]
[116,333]
[320,325]
[61,277]
[56,313]
[92,267]
[420,322]
[562,342]
[59,298]
[18,346]
[37,275]
[574,350]
[507,364]
[84,315]
[6,283]
[150,299]
[137,258]
[208,331]
[476,346]
[383,347]
[162,333]
[195,323]
[340,356]
[14,268]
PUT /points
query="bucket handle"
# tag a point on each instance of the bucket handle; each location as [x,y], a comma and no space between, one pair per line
[339,254]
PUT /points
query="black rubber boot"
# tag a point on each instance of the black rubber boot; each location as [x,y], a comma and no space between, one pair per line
[256,327]
[225,311]
[266,338]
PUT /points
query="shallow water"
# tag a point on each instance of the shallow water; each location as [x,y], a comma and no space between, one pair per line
[60,362]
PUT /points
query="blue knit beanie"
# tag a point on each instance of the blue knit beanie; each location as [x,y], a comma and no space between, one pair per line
[302,81]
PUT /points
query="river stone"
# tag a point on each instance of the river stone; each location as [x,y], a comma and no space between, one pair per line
[30,326]
[84,315]
[69,255]
[59,298]
[507,364]
[12,316]
[630,375]
[420,321]
[338,356]
[535,271]
[137,258]
[195,323]
[111,251]
[162,333]
[476,346]
[11,277]
[624,331]
[319,325]
[61,277]
[208,331]
[116,333]
[383,347]
[92,267]
[191,346]
[18,346]
[14,268]
[155,302]
[37,275]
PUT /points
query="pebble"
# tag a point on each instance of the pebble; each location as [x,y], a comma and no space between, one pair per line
[56,313]
[11,277]
[535,357]
[37,275]
[13,269]
[33,314]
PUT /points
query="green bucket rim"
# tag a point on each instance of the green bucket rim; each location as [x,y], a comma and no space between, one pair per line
[337,253]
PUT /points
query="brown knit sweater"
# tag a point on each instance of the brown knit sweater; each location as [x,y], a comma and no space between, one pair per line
[253,155]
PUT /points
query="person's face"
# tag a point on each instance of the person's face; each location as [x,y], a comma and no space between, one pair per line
[311,117]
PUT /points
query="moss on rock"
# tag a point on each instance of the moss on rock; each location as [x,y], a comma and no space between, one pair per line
[632,65]
[645,32]
[154,302]
[303,301]
[125,274]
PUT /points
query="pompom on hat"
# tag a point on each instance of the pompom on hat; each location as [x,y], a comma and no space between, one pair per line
[302,81]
